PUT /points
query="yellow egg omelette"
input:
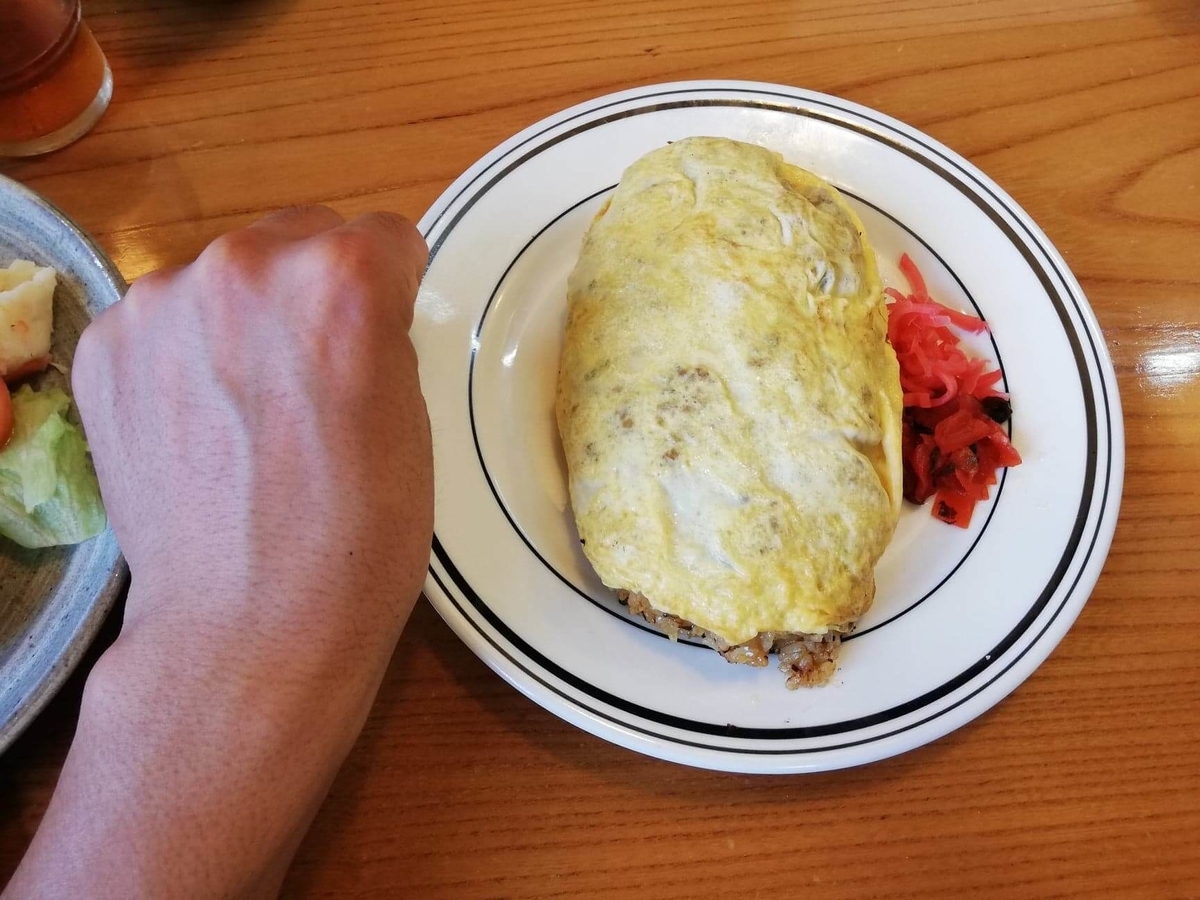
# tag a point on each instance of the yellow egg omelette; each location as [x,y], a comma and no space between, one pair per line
[729,405]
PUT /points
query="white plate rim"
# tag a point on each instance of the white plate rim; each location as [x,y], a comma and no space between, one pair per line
[558,695]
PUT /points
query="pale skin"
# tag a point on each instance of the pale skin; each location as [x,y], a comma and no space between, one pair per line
[264,454]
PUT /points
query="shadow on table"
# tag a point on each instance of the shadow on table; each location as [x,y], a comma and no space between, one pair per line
[29,768]
[571,747]
[1183,17]
[420,783]
[187,27]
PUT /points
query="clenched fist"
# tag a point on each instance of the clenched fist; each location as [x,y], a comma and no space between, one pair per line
[264,455]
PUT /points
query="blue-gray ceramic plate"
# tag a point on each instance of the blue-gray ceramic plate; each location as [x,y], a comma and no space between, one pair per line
[52,602]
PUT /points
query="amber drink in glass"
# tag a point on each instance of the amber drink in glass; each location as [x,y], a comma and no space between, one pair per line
[54,81]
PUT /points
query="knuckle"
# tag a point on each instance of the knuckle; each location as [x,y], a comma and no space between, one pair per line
[143,291]
[400,239]
[347,281]
[232,270]
[230,254]
[347,257]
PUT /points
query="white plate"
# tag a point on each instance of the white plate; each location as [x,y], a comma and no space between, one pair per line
[960,617]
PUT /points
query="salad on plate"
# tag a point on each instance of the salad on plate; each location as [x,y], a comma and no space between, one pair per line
[49,495]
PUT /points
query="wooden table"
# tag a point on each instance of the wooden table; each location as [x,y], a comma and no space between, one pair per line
[1084,783]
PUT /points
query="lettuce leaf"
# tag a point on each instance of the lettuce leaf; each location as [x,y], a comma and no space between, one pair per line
[48,489]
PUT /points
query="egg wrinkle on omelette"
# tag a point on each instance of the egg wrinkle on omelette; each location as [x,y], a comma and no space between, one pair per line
[727,400]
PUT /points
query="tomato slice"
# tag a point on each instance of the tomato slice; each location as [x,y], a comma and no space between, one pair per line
[929,418]
[1006,453]
[965,461]
[970,484]
[27,368]
[6,416]
[953,507]
[922,465]
[961,430]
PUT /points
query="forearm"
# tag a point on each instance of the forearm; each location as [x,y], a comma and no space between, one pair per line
[196,775]
[264,455]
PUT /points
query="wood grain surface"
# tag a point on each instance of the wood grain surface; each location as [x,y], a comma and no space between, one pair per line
[1084,783]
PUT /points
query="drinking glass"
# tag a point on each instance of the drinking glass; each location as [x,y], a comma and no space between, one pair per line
[54,81]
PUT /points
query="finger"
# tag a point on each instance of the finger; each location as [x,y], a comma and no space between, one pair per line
[296,223]
[399,244]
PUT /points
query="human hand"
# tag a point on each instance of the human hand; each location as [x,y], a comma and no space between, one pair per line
[264,455]
[257,414]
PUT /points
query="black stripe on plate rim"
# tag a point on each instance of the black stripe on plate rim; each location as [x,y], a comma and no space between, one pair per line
[1089,404]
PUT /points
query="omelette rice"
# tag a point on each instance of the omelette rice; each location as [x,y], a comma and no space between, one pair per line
[729,405]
